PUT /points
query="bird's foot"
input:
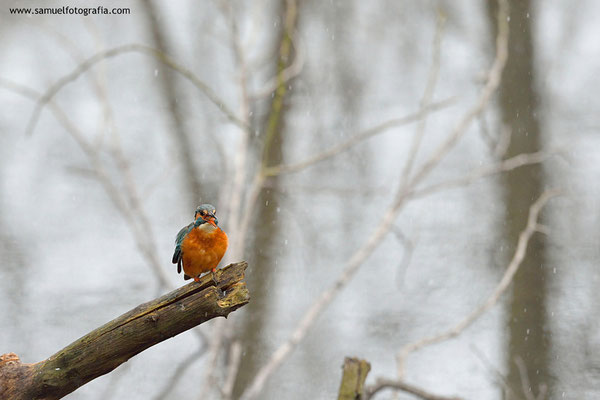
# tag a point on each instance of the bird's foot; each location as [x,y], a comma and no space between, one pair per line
[214,276]
[196,279]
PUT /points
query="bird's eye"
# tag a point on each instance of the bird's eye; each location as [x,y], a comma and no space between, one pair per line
[214,211]
[203,212]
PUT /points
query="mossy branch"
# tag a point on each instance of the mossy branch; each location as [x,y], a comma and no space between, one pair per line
[353,378]
[107,347]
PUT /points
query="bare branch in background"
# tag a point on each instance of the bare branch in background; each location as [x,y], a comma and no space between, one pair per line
[503,142]
[389,216]
[408,249]
[509,164]
[432,79]
[526,383]
[498,146]
[130,48]
[233,365]
[177,373]
[511,270]
[287,74]
[357,138]
[209,381]
[132,214]
[494,77]
[501,380]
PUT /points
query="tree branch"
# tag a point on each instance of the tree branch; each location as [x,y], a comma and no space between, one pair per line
[531,228]
[130,48]
[506,165]
[357,138]
[404,387]
[107,347]
[432,80]
[493,81]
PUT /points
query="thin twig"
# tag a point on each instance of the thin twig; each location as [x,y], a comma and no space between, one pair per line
[504,139]
[408,249]
[494,77]
[129,186]
[432,79]
[233,365]
[178,373]
[525,383]
[256,187]
[210,379]
[287,74]
[501,379]
[511,270]
[404,387]
[144,242]
[113,384]
[509,164]
[357,138]
[130,48]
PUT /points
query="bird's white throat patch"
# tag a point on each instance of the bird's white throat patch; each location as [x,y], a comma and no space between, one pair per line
[207,227]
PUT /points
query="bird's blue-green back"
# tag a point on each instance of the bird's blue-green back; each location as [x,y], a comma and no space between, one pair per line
[178,241]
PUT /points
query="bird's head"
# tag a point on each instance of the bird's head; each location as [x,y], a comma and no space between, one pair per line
[206,212]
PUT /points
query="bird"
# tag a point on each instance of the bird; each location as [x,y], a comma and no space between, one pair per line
[200,246]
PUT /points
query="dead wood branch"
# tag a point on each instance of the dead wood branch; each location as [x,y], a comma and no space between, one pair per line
[107,347]
[353,378]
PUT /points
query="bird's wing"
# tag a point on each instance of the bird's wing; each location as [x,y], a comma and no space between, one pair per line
[178,241]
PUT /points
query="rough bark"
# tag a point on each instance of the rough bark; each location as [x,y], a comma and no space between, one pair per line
[105,348]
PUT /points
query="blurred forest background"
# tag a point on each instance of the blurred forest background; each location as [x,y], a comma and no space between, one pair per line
[374,161]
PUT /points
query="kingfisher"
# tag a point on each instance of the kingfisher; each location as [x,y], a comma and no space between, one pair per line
[200,246]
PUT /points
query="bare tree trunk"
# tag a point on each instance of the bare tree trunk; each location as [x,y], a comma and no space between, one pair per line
[527,316]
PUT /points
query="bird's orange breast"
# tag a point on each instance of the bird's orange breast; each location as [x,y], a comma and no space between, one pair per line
[202,249]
